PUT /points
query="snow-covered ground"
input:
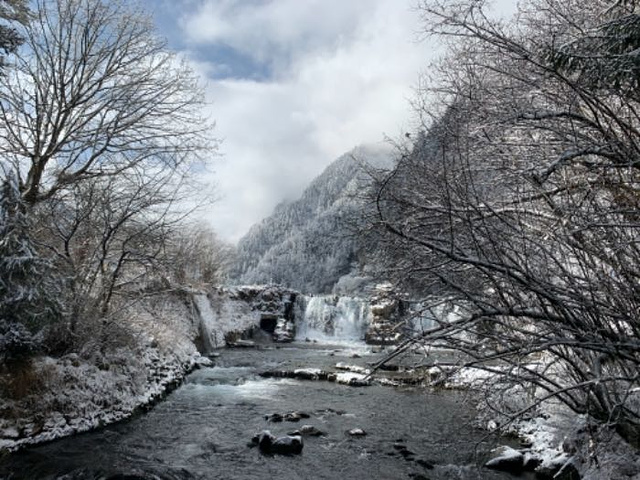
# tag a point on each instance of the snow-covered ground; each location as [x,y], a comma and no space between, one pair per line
[129,366]
[54,397]
[554,435]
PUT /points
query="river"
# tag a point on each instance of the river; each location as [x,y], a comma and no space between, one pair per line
[203,429]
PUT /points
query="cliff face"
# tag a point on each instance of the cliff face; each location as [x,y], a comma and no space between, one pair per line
[309,244]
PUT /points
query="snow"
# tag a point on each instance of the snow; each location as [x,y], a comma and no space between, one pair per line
[80,392]
[557,436]
[353,368]
[353,379]
[506,457]
[308,371]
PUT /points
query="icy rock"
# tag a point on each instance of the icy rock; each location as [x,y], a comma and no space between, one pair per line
[242,344]
[286,417]
[558,468]
[353,379]
[352,368]
[274,418]
[531,462]
[307,373]
[295,416]
[507,460]
[308,431]
[284,331]
[269,444]
[202,362]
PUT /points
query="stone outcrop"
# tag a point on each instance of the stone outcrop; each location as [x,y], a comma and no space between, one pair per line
[233,316]
[386,317]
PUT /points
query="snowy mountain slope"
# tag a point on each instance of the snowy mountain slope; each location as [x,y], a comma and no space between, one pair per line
[309,244]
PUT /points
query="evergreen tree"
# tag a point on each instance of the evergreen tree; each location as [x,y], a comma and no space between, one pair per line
[12,13]
[28,294]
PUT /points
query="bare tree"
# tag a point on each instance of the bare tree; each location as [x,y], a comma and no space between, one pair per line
[520,201]
[95,93]
[102,126]
[194,255]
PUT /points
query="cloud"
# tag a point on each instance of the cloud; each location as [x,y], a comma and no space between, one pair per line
[274,31]
[336,74]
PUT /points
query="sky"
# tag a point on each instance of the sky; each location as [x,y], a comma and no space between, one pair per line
[292,85]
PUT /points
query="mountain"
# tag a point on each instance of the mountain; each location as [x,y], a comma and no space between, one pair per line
[310,244]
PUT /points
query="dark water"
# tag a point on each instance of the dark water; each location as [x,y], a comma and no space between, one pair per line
[202,430]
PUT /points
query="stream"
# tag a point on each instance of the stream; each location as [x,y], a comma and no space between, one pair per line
[203,429]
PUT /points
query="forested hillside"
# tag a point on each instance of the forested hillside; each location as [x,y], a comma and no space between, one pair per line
[309,244]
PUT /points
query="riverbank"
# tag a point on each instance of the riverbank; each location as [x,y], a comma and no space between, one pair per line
[50,397]
[557,442]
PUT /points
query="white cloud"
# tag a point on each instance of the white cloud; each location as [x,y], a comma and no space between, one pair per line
[271,30]
[342,74]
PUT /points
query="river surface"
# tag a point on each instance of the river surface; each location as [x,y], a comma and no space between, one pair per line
[202,430]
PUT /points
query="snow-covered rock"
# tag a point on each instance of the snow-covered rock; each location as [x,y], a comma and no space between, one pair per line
[353,368]
[386,318]
[352,379]
[506,459]
[249,312]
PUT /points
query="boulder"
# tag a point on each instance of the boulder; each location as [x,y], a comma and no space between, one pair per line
[356,432]
[507,460]
[286,417]
[353,379]
[558,468]
[274,418]
[269,444]
[531,462]
[308,431]
[295,416]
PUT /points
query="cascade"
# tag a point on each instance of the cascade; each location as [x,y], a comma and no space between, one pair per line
[207,324]
[332,319]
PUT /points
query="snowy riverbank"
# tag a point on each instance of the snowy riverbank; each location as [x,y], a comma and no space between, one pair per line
[132,363]
[555,440]
[48,398]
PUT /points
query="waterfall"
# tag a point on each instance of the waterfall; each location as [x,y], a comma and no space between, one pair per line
[207,324]
[333,319]
[425,317]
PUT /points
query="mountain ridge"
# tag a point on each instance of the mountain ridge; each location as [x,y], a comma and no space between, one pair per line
[307,243]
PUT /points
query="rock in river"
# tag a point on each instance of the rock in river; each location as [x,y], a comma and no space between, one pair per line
[507,460]
[269,444]
[308,431]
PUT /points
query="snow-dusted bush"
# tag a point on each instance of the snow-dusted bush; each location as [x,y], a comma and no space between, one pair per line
[16,342]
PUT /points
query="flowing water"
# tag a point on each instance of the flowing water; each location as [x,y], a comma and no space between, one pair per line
[338,320]
[202,429]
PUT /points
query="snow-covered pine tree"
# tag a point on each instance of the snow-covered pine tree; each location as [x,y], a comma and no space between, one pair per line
[28,294]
